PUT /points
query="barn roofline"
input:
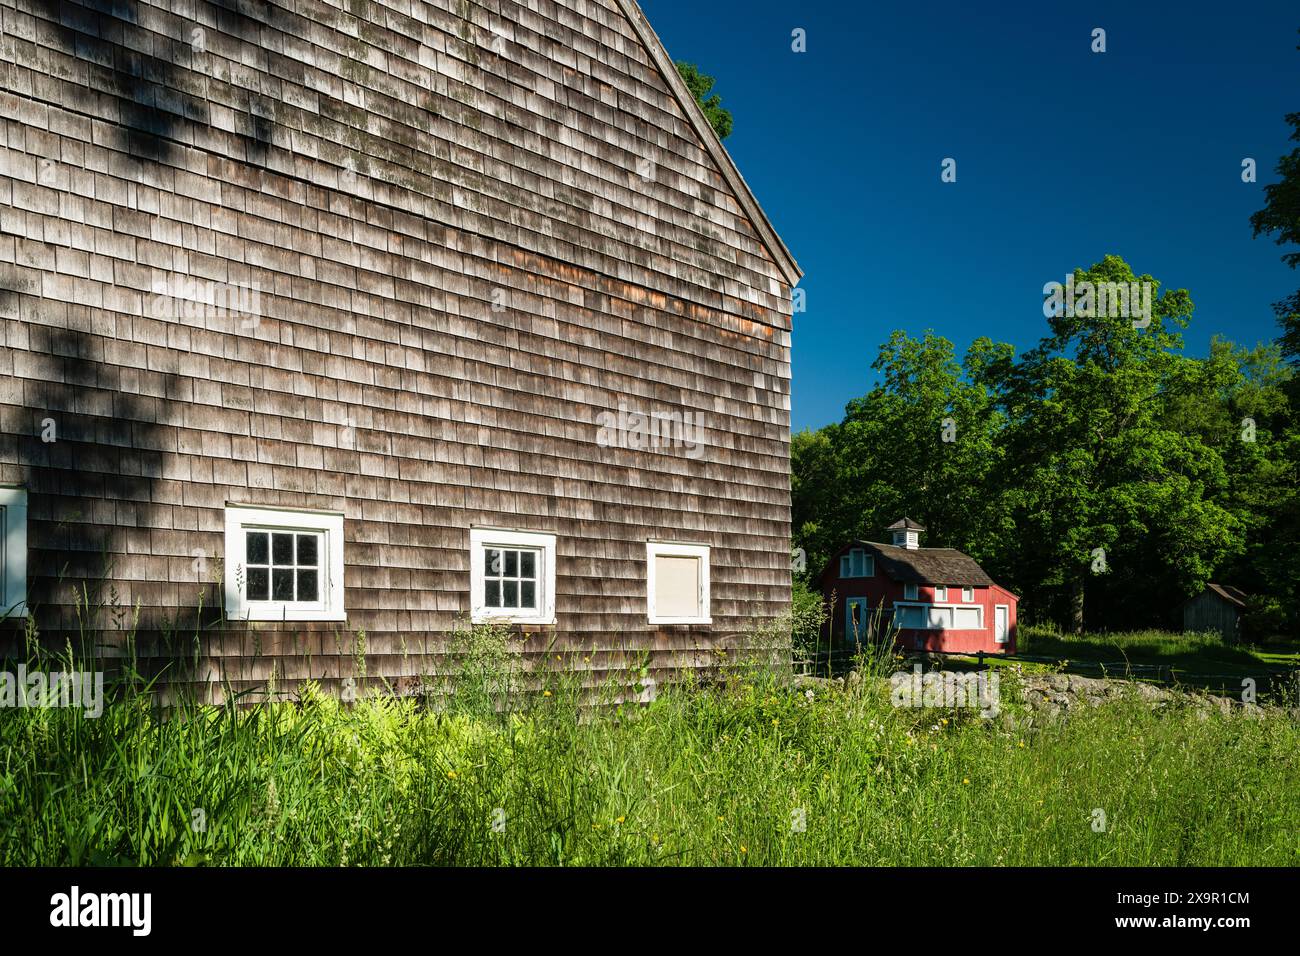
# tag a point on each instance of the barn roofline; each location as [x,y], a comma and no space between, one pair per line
[894,555]
[659,53]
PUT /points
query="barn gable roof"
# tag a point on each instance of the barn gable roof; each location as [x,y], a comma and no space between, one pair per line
[709,139]
[925,565]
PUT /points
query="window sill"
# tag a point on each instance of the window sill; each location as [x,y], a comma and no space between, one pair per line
[663,621]
[487,617]
[267,614]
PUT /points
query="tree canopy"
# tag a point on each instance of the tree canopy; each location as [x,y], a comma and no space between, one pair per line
[1103,475]
[700,86]
[1280,218]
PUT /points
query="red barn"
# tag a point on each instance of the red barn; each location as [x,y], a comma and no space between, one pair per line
[939,598]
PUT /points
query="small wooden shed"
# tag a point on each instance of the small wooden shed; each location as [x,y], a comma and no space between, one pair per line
[1218,608]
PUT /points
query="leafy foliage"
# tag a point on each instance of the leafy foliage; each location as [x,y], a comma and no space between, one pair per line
[700,86]
[1280,218]
[1102,475]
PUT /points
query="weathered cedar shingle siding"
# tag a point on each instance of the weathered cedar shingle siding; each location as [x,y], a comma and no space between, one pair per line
[376,171]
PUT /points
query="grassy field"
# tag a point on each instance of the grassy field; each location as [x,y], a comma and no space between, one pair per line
[751,773]
[1198,660]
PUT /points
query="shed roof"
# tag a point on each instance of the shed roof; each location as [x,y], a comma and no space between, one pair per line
[744,195]
[928,565]
[1234,596]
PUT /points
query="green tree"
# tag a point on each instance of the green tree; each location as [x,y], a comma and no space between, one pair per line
[1097,482]
[1280,218]
[814,495]
[920,444]
[700,86]
[1237,403]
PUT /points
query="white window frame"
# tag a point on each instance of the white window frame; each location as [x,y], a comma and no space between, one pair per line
[941,594]
[911,592]
[480,540]
[13,552]
[329,524]
[673,549]
[968,595]
[926,608]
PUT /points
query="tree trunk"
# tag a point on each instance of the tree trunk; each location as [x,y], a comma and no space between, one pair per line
[1076,605]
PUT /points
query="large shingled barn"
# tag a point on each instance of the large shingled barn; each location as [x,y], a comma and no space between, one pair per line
[938,599]
[327,326]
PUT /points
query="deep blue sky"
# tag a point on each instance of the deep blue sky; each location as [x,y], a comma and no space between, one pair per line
[1062,156]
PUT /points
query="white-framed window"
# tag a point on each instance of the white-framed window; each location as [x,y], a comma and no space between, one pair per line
[939,617]
[283,564]
[857,564]
[909,592]
[941,592]
[13,552]
[677,583]
[968,595]
[512,576]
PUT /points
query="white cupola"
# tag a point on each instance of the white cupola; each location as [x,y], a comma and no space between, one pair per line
[907,534]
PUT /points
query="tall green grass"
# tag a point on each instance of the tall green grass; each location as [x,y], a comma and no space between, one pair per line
[519,768]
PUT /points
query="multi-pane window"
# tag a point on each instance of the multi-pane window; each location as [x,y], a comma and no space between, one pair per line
[510,578]
[857,564]
[284,565]
[909,592]
[968,595]
[940,592]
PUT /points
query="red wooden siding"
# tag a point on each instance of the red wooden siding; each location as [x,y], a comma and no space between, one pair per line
[883,591]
